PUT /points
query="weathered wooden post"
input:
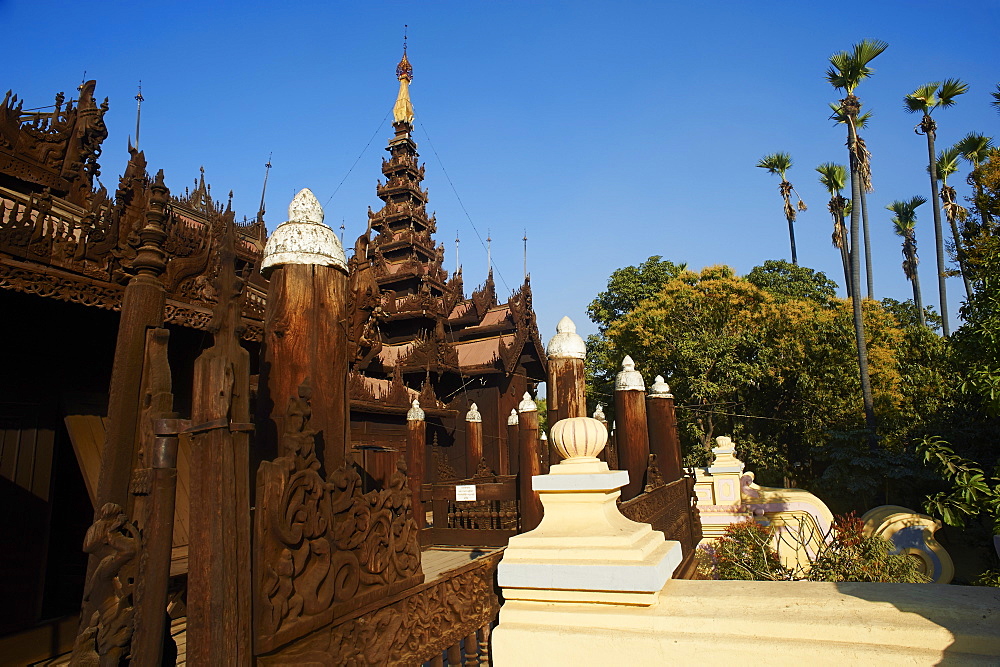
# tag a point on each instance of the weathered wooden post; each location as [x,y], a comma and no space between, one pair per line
[530,462]
[566,387]
[106,628]
[547,454]
[605,454]
[305,334]
[473,440]
[218,599]
[631,435]
[513,459]
[663,440]
[416,443]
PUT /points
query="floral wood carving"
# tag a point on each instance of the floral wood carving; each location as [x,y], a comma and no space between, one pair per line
[323,547]
[409,631]
[653,477]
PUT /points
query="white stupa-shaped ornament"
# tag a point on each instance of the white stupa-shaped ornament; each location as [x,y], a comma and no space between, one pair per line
[660,388]
[629,379]
[567,343]
[473,415]
[303,238]
[512,419]
[415,413]
[527,404]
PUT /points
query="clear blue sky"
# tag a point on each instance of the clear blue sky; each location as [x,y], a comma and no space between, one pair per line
[610,131]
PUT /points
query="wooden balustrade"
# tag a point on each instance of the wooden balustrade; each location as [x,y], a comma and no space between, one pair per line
[489,520]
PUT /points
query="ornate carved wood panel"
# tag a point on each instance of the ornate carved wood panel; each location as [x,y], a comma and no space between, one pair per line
[408,629]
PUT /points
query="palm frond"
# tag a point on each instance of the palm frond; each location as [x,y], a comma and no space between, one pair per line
[832,176]
[867,49]
[922,99]
[947,163]
[838,72]
[776,163]
[974,147]
[996,99]
[950,89]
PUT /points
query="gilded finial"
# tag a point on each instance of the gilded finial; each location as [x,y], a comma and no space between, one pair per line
[402,112]
[404,70]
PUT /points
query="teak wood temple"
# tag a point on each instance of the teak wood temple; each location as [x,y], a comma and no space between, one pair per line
[235,448]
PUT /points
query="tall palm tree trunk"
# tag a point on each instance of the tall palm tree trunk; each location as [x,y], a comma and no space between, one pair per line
[929,128]
[868,245]
[852,106]
[948,198]
[791,238]
[918,298]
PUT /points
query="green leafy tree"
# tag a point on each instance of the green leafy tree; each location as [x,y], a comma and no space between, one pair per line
[904,221]
[846,71]
[834,178]
[975,148]
[925,100]
[780,163]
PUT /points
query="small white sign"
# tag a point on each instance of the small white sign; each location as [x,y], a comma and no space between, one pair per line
[465,492]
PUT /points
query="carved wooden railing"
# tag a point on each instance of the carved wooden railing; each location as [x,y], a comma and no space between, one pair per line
[671,509]
[445,621]
[489,520]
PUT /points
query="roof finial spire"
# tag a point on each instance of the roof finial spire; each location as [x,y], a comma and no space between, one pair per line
[489,252]
[403,111]
[263,190]
[138,111]
[525,239]
[458,265]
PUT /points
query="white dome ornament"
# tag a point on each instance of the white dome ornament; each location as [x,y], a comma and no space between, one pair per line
[303,238]
[579,439]
[660,388]
[629,379]
[415,413]
[566,344]
[473,415]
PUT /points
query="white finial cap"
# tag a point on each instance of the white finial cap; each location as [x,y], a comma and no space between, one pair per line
[473,414]
[629,379]
[512,420]
[526,404]
[599,413]
[544,437]
[415,413]
[566,344]
[303,238]
[579,437]
[660,388]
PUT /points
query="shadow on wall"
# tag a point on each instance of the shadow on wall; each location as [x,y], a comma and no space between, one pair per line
[968,613]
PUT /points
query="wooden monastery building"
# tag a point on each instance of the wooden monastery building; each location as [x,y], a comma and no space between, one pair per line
[121,309]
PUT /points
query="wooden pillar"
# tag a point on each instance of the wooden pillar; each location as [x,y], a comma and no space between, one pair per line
[631,435]
[218,599]
[549,455]
[530,463]
[566,387]
[663,440]
[147,643]
[416,451]
[513,459]
[604,455]
[142,309]
[305,334]
[473,440]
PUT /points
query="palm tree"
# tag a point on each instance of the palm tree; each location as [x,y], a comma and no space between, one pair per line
[860,123]
[974,147]
[779,163]
[996,99]
[905,220]
[846,71]
[947,164]
[834,179]
[925,99]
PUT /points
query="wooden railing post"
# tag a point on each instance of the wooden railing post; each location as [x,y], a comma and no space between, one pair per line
[416,448]
[512,446]
[473,440]
[567,390]
[218,598]
[530,463]
[631,434]
[663,440]
[305,334]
